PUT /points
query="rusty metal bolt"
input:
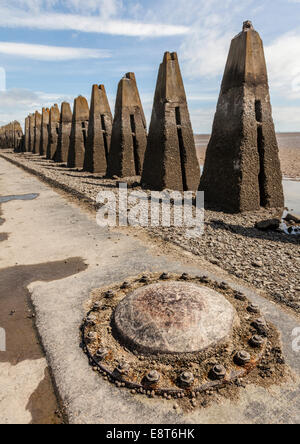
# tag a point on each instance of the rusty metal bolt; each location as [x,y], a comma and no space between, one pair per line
[242,358]
[186,378]
[125,285]
[123,368]
[165,276]
[218,372]
[153,377]
[91,320]
[185,276]
[92,337]
[109,294]
[257,341]
[101,353]
[240,296]
[253,308]
[97,306]
[261,326]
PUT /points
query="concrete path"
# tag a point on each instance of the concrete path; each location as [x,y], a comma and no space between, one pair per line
[51,229]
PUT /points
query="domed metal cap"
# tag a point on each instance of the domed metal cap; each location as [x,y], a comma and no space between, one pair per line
[174,317]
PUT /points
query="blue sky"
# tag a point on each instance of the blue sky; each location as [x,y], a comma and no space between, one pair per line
[54,50]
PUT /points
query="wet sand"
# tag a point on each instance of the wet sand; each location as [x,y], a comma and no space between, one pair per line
[289,152]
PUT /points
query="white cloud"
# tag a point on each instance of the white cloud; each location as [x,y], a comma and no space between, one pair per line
[212,26]
[202,120]
[16,104]
[48,20]
[286,118]
[50,53]
[283,61]
[103,7]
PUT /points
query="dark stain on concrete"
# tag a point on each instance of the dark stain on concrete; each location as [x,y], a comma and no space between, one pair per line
[31,196]
[41,406]
[3,237]
[17,318]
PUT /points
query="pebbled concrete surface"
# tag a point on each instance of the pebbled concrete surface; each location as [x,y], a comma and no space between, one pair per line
[52,228]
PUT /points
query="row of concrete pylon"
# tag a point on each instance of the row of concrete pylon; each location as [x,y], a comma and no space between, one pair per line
[92,140]
[11,136]
[242,168]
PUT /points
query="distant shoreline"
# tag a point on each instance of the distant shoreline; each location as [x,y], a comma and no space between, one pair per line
[289,152]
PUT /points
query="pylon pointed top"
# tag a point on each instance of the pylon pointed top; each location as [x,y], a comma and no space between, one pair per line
[169,56]
[130,76]
[66,113]
[54,114]
[247,25]
[81,109]
[99,101]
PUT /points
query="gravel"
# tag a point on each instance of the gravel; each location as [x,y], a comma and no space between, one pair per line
[269,260]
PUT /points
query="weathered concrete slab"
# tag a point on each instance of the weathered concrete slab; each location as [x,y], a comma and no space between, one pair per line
[242,169]
[60,307]
[53,132]
[79,133]
[129,133]
[99,132]
[65,127]
[37,132]
[170,160]
[44,131]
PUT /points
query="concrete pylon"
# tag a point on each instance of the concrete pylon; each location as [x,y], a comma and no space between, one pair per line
[99,133]
[65,127]
[129,132]
[170,159]
[37,132]
[31,132]
[79,132]
[18,144]
[26,142]
[242,169]
[53,132]
[44,131]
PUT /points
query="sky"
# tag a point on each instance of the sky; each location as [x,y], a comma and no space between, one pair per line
[54,50]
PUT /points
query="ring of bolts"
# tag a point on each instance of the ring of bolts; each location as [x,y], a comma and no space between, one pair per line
[218,374]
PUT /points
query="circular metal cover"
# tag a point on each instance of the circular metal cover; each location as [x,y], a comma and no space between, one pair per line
[174,317]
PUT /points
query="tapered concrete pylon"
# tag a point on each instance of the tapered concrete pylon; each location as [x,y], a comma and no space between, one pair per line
[18,137]
[44,131]
[79,133]
[31,132]
[129,133]
[170,159]
[64,133]
[26,142]
[242,168]
[37,132]
[53,132]
[99,133]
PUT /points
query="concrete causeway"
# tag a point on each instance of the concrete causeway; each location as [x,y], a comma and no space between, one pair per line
[54,229]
